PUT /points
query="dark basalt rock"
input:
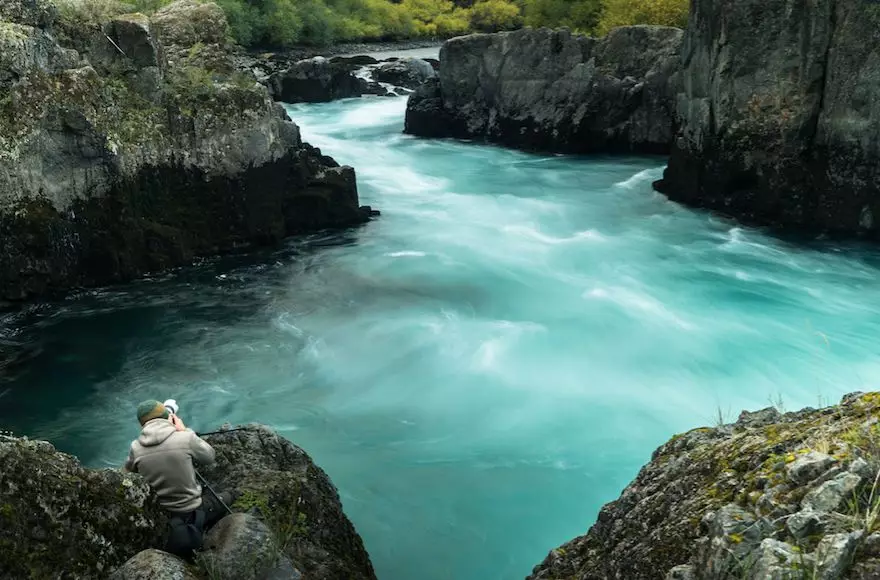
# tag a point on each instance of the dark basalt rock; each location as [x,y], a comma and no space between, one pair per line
[168,215]
[316,80]
[425,115]
[354,61]
[142,152]
[554,91]
[779,120]
[406,72]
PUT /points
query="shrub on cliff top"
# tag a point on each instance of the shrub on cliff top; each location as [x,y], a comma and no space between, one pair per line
[627,12]
[286,23]
[495,15]
[578,15]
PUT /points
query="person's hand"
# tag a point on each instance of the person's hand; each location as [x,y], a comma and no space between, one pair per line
[178,423]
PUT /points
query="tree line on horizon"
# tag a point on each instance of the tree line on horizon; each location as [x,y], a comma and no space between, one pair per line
[287,23]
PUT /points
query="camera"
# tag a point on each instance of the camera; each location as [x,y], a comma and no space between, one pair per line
[172,406]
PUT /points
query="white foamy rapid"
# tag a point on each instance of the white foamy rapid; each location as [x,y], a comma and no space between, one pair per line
[484,365]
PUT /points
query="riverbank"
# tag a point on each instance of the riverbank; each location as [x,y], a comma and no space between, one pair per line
[528,328]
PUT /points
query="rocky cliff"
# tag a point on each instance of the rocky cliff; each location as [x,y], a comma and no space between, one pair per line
[771,496]
[551,90]
[58,519]
[779,113]
[130,145]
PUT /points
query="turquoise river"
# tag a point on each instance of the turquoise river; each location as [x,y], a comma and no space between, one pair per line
[480,368]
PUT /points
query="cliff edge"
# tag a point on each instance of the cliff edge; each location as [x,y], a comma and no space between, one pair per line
[130,144]
[781,496]
[780,120]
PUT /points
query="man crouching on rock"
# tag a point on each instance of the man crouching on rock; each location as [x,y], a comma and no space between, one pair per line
[164,454]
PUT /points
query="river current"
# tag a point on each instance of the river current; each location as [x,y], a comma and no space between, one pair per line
[480,368]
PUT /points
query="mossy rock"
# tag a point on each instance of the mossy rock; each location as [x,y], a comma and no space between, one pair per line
[278,482]
[663,519]
[57,516]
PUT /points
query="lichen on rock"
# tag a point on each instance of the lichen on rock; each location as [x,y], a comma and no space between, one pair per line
[57,516]
[773,495]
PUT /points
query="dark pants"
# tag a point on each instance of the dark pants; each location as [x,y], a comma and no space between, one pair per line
[213,509]
[188,528]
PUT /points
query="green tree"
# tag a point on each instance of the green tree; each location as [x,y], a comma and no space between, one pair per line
[495,15]
[283,24]
[627,12]
[579,15]
[247,22]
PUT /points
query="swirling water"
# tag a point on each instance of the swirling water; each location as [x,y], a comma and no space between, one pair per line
[479,369]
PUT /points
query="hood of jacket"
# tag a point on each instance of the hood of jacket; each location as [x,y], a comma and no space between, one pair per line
[155,432]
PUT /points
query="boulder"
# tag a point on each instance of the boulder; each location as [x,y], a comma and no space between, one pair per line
[374,88]
[425,115]
[155,565]
[552,90]
[779,120]
[57,516]
[354,61]
[127,47]
[277,481]
[405,72]
[775,560]
[241,547]
[133,35]
[808,467]
[315,80]
[805,523]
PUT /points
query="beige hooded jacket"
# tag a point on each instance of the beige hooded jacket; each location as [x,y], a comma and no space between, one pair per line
[164,456]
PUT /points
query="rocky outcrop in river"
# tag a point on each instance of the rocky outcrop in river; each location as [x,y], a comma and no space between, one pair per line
[131,145]
[58,519]
[780,123]
[771,496]
[554,91]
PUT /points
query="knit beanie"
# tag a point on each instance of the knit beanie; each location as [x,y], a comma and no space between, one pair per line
[149,410]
